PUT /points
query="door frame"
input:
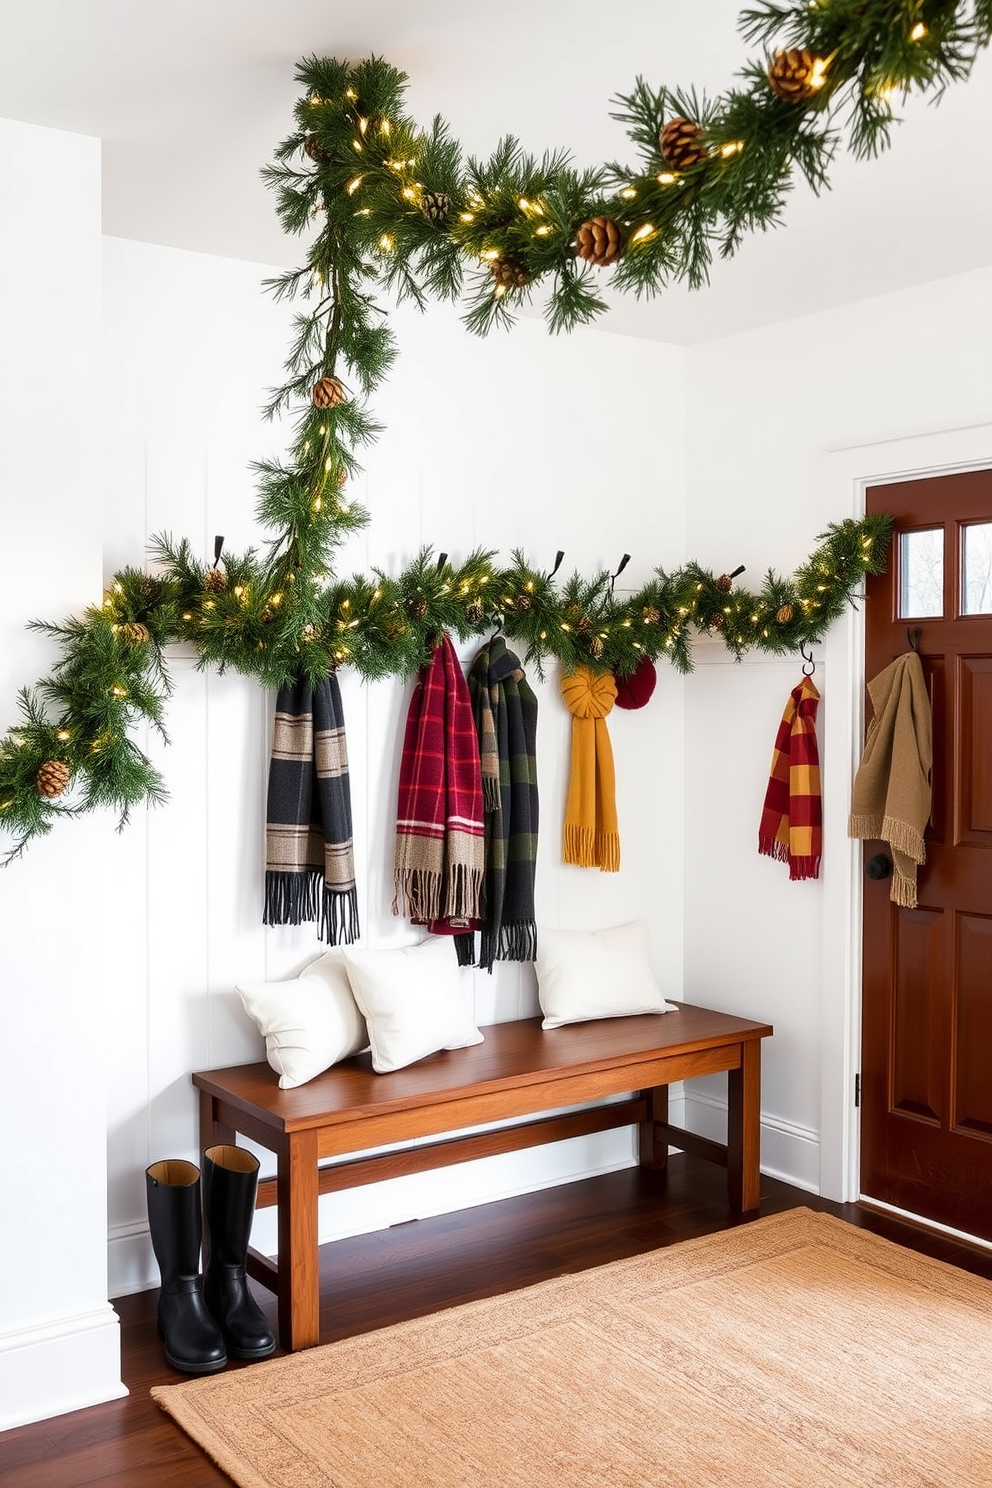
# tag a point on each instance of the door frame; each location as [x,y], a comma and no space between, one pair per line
[848,470]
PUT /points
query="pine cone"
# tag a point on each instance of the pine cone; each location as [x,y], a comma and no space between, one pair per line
[795,75]
[595,645]
[476,612]
[651,615]
[509,273]
[600,241]
[436,207]
[784,614]
[136,633]
[583,625]
[523,603]
[52,778]
[312,146]
[328,392]
[215,580]
[418,607]
[681,144]
[718,621]
[724,583]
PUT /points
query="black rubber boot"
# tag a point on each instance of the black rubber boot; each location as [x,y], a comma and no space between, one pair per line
[230,1182]
[193,1342]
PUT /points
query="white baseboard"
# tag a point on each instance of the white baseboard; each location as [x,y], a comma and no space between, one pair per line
[789,1152]
[361,1211]
[63,1365]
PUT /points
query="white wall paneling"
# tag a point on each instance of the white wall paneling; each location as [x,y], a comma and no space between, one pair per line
[503,443]
[59,1338]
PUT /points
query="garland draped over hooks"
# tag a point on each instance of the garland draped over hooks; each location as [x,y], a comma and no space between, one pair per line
[397,207]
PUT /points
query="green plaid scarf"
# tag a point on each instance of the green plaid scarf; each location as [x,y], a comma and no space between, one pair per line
[309,867]
[505,709]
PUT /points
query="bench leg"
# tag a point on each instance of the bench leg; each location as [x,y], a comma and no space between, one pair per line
[213,1132]
[653,1142]
[744,1129]
[299,1267]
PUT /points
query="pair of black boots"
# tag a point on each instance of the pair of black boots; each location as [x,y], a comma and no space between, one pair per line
[205,1318]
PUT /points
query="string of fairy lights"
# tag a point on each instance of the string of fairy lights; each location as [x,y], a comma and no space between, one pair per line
[387,204]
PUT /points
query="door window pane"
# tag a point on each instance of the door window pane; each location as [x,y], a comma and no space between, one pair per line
[976,568]
[921,572]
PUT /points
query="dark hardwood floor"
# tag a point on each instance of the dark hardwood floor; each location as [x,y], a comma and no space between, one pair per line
[374,1280]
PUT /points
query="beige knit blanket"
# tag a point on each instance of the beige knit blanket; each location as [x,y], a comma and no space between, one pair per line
[891,795]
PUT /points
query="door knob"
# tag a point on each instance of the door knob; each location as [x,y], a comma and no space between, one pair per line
[880,866]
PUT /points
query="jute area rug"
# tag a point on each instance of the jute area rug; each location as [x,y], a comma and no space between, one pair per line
[792,1352]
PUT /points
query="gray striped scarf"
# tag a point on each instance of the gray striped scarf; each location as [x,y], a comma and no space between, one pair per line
[309,860]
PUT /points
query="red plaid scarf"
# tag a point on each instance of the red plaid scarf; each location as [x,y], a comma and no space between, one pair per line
[790,828]
[439,862]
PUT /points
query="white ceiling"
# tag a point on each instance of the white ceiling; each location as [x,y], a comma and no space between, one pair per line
[190,97]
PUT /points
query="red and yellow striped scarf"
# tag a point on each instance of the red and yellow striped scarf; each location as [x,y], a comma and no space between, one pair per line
[791,819]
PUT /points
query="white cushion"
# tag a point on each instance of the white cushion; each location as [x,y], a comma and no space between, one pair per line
[413,1000]
[308,1022]
[585,974]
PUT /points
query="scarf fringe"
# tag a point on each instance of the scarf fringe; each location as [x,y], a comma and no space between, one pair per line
[898,834]
[903,891]
[463,893]
[516,942]
[418,894]
[291,898]
[771,847]
[804,867]
[586,848]
[491,798]
[579,845]
[465,949]
[339,916]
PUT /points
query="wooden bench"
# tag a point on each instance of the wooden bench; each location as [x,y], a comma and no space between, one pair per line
[520,1070]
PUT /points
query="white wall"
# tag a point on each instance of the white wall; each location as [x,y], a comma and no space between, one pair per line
[582,443]
[59,1338]
[515,441]
[803,411]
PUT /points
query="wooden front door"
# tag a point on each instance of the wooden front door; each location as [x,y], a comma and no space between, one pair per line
[926,1131]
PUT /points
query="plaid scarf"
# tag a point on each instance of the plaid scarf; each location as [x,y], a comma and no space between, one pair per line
[790,827]
[439,861]
[309,864]
[505,709]
[591,837]
[891,795]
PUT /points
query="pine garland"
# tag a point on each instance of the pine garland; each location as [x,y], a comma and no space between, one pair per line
[397,207]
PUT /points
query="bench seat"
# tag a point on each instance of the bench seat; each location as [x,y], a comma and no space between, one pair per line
[520,1070]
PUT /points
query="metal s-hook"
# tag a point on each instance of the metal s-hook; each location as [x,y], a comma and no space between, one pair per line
[809,665]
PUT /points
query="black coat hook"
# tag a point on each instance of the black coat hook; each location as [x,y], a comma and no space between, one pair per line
[808,662]
[218,545]
[623,564]
[441,561]
[913,637]
[558,558]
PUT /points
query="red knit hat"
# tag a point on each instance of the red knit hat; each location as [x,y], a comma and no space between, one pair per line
[635,690]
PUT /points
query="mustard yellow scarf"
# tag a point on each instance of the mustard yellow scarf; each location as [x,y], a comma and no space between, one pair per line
[591,837]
